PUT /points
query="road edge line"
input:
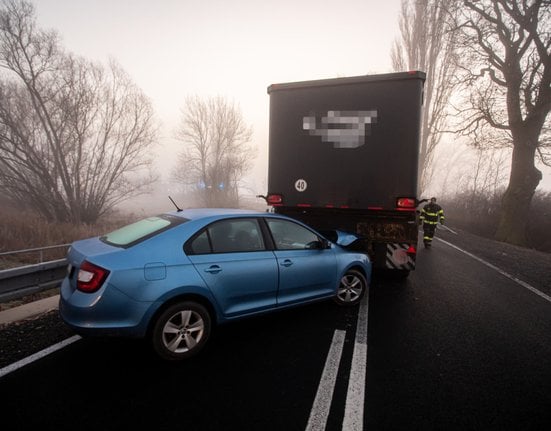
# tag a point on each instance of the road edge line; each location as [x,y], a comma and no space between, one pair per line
[36,356]
[505,274]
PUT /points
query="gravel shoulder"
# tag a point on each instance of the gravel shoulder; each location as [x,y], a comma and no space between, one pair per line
[21,339]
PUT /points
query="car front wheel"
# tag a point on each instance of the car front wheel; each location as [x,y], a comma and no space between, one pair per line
[181,331]
[351,288]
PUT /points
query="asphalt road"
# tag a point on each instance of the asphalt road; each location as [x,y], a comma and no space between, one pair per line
[456,346]
[461,347]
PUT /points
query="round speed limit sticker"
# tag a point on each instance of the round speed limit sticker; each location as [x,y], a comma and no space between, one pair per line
[301,185]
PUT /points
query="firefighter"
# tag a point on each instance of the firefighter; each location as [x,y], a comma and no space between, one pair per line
[431,214]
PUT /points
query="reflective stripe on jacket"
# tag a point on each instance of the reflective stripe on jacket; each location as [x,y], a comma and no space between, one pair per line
[432,213]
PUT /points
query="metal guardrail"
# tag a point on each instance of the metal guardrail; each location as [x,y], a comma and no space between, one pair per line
[25,280]
[39,250]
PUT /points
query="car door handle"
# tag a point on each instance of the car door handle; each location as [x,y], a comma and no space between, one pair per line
[287,262]
[214,269]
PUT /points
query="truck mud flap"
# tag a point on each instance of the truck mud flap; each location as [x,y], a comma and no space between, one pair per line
[398,258]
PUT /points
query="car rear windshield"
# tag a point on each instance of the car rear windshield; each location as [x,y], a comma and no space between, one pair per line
[139,231]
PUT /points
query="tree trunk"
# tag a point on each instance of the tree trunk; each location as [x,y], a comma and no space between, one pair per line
[515,209]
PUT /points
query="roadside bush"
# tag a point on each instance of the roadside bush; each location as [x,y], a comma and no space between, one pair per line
[479,214]
[539,226]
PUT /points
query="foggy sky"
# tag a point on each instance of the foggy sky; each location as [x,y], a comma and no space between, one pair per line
[177,48]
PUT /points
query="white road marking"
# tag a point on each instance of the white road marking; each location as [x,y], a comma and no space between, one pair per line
[36,356]
[324,395]
[505,274]
[354,409]
[442,226]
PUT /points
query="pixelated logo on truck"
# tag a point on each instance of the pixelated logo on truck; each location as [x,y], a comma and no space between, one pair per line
[344,129]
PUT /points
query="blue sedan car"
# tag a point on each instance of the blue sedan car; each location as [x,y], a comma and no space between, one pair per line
[172,277]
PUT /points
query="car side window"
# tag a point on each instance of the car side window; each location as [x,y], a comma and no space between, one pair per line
[236,235]
[200,245]
[221,236]
[291,236]
[247,236]
[226,236]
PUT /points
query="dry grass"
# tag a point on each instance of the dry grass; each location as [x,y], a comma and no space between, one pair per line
[22,230]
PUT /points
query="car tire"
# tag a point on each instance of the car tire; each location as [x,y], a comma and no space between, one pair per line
[352,288]
[181,331]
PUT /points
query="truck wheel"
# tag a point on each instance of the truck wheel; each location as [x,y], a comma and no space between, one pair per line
[351,288]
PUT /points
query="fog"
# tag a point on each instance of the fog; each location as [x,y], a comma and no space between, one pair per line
[177,48]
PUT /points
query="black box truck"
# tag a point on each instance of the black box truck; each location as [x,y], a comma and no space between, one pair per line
[343,155]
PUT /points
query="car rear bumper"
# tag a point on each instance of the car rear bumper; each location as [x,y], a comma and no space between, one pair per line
[105,312]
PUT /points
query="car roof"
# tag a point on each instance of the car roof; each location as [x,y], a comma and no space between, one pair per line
[200,213]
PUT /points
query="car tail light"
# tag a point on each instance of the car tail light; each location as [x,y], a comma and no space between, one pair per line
[90,277]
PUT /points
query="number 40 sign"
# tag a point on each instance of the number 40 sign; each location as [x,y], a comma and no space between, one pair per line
[301,185]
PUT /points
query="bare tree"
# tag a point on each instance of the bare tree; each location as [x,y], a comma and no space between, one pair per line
[216,153]
[486,174]
[73,134]
[426,43]
[505,65]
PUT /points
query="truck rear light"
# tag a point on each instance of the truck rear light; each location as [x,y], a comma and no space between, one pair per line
[411,250]
[274,199]
[90,277]
[406,203]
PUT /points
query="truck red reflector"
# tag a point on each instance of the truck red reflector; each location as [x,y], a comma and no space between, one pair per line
[406,203]
[274,199]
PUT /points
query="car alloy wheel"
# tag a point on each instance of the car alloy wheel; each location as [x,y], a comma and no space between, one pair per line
[351,288]
[181,331]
